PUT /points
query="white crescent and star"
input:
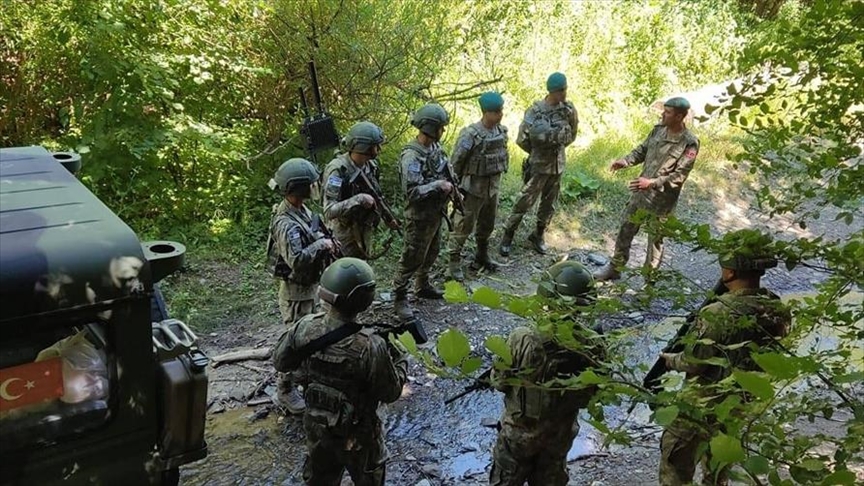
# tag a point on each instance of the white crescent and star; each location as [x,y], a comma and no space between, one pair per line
[4,394]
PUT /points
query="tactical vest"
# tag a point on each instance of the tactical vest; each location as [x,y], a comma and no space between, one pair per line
[337,395]
[278,267]
[536,403]
[489,155]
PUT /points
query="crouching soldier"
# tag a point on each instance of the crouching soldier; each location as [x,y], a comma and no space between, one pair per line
[297,254]
[347,370]
[539,424]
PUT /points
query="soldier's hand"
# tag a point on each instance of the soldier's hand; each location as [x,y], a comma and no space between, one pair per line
[640,184]
[445,186]
[366,200]
[618,165]
[328,244]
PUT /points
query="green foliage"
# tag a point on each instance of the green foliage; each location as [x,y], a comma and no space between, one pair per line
[577,184]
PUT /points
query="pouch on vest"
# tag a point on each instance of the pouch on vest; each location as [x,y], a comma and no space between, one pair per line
[329,407]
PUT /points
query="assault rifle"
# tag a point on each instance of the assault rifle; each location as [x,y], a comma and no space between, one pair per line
[482,382]
[318,225]
[455,194]
[413,327]
[362,182]
[676,345]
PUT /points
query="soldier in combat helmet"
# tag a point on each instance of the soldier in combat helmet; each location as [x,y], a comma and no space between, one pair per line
[746,313]
[539,425]
[345,379]
[296,255]
[427,191]
[548,127]
[479,159]
[352,215]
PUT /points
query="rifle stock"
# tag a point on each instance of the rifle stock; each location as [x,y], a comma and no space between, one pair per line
[481,383]
[382,208]
[318,225]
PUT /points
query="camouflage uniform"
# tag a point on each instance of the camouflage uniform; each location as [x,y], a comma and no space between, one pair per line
[426,202]
[545,132]
[478,160]
[344,383]
[352,223]
[538,426]
[667,159]
[296,256]
[724,323]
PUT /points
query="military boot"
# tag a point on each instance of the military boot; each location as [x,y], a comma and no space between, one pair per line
[608,272]
[482,259]
[403,309]
[454,268]
[289,396]
[537,241]
[506,243]
[424,290]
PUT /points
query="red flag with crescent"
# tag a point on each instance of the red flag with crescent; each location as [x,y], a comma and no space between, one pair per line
[31,383]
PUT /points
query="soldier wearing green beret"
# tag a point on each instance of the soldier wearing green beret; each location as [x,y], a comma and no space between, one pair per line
[747,313]
[548,127]
[667,157]
[479,159]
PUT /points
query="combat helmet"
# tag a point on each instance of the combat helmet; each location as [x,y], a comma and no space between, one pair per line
[363,136]
[348,284]
[294,177]
[750,252]
[568,278]
[430,118]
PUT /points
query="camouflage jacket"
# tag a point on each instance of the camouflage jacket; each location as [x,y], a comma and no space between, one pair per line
[345,382]
[344,213]
[740,316]
[420,171]
[295,253]
[480,157]
[667,160]
[545,132]
[534,412]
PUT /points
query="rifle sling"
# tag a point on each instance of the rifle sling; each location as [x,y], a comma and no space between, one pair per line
[326,340]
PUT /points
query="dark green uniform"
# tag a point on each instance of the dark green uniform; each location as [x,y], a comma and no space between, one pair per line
[352,223]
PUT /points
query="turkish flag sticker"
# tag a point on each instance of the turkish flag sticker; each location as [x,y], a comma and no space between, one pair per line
[31,383]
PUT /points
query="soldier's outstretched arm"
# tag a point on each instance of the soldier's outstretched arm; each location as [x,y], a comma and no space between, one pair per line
[388,370]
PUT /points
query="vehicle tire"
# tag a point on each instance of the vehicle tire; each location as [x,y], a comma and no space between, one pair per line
[171,477]
[158,311]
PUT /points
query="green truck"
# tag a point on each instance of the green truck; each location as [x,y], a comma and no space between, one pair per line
[97,384]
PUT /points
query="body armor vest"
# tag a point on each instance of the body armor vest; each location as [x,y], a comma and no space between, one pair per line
[489,156]
[279,268]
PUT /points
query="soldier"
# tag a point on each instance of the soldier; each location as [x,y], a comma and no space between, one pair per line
[548,128]
[668,155]
[726,324]
[347,370]
[539,425]
[478,160]
[352,215]
[426,189]
[296,255]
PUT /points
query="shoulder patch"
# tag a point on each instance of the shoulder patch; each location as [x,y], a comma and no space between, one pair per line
[334,181]
[691,153]
[414,166]
[295,239]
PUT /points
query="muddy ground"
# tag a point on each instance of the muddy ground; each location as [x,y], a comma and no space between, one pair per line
[430,444]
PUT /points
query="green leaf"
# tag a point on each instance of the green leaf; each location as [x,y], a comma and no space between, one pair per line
[407,340]
[726,449]
[82,149]
[812,464]
[453,347]
[498,346]
[488,297]
[840,477]
[757,465]
[723,410]
[664,416]
[471,365]
[777,365]
[854,377]
[588,377]
[454,292]
[759,386]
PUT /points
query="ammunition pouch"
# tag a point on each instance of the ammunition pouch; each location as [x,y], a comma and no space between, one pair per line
[489,157]
[330,408]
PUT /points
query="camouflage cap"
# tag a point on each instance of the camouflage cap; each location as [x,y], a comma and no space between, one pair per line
[491,101]
[556,82]
[749,250]
[678,102]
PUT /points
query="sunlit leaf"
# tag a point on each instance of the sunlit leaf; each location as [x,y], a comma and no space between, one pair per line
[453,347]
[755,384]
[487,297]
[498,346]
[664,416]
[454,292]
[726,449]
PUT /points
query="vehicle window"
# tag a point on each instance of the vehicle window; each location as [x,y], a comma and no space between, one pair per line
[54,382]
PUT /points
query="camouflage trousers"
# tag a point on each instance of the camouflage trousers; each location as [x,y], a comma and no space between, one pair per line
[480,212]
[362,453]
[541,461]
[356,240]
[545,186]
[628,230]
[419,252]
[679,446]
[291,311]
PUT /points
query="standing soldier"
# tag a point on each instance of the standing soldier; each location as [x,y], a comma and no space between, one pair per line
[352,214]
[297,254]
[423,164]
[548,128]
[747,313]
[668,155]
[539,425]
[479,159]
[348,370]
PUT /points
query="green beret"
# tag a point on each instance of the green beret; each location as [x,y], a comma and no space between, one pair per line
[556,82]
[678,102]
[491,101]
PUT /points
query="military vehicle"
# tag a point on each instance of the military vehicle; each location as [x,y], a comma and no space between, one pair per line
[97,384]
